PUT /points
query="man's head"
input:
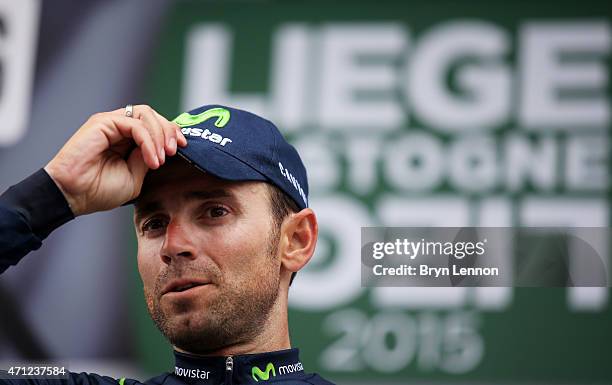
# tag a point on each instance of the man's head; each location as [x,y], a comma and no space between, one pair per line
[216,256]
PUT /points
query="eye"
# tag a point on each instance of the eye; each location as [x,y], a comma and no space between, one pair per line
[218,211]
[153,224]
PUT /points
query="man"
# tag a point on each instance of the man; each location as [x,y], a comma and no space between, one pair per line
[222,229]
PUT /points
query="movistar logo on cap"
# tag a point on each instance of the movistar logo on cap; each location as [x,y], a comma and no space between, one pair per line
[186,119]
[258,374]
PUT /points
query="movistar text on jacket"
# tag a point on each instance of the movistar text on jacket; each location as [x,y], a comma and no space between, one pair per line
[192,373]
[291,368]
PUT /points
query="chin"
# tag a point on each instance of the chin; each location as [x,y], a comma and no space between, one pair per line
[188,321]
[195,334]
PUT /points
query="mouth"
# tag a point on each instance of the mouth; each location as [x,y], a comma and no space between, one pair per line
[182,285]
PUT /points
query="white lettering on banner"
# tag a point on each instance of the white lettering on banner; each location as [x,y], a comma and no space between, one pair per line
[427,341]
[417,162]
[362,153]
[414,163]
[525,153]
[18,43]
[291,67]
[342,76]
[472,164]
[485,86]
[587,160]
[546,72]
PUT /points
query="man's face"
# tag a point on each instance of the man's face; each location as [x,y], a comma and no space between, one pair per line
[207,256]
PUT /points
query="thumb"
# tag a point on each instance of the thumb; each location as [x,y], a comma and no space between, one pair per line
[138,170]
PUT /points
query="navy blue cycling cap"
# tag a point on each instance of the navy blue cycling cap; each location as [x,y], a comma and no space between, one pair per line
[238,145]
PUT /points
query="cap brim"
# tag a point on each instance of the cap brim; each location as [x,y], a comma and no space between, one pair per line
[211,159]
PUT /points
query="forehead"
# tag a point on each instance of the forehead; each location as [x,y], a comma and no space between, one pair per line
[177,177]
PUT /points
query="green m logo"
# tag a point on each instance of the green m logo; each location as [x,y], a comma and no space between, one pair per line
[186,119]
[259,375]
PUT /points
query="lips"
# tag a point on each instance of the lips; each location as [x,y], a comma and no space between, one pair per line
[183,284]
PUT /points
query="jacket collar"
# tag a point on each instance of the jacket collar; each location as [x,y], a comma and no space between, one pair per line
[239,369]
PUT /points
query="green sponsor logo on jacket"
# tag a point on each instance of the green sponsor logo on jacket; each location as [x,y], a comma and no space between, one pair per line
[258,374]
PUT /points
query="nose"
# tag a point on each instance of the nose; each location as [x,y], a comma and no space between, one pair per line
[177,242]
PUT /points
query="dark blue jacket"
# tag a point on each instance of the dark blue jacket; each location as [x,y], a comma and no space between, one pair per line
[30,210]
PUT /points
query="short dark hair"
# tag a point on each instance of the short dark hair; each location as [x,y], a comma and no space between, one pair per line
[281,205]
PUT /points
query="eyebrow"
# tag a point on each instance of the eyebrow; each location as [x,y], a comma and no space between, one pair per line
[143,209]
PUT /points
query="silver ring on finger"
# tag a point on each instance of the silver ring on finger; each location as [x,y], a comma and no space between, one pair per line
[129,110]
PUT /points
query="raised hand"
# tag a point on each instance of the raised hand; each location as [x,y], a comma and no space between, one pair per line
[104,163]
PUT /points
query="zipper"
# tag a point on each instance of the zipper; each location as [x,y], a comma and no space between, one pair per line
[229,369]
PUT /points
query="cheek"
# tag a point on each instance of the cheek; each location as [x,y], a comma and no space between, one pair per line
[148,263]
[242,251]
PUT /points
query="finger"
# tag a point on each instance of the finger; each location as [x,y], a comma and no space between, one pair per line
[169,133]
[123,148]
[175,132]
[182,141]
[138,168]
[118,111]
[180,138]
[125,127]
[147,115]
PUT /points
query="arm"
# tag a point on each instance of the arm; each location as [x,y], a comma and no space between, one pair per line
[29,211]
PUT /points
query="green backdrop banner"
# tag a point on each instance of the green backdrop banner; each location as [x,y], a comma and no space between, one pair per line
[423,113]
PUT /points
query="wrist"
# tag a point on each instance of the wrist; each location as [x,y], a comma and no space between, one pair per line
[72,201]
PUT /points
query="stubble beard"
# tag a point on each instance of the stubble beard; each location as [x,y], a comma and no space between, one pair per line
[238,315]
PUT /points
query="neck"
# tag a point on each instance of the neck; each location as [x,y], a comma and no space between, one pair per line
[273,336]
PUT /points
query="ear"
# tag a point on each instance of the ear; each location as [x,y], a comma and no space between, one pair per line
[298,239]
